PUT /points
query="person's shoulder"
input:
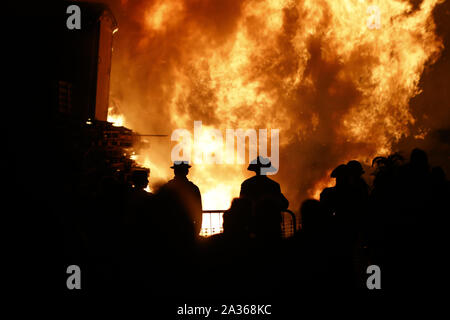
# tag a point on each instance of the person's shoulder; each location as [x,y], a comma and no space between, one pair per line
[193,185]
[327,191]
[272,181]
[167,186]
[248,180]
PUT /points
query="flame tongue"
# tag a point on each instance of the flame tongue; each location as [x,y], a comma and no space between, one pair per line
[117,119]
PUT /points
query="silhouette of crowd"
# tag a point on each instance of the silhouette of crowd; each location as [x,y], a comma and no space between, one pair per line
[128,238]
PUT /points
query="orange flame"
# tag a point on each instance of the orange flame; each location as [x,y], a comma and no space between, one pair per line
[117,119]
[334,74]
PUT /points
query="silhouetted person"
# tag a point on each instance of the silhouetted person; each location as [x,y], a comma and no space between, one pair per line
[344,204]
[410,235]
[404,213]
[232,254]
[139,179]
[140,230]
[236,233]
[260,185]
[312,246]
[266,198]
[314,219]
[358,192]
[329,196]
[237,219]
[348,198]
[178,212]
[415,191]
[418,161]
[187,192]
[333,203]
[138,196]
[383,203]
[139,200]
[356,171]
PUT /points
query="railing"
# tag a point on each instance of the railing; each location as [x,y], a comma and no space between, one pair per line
[288,226]
[213,221]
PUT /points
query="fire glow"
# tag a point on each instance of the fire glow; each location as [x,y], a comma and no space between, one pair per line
[335,76]
[117,119]
[207,146]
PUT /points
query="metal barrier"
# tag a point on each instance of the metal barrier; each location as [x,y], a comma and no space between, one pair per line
[213,223]
[288,229]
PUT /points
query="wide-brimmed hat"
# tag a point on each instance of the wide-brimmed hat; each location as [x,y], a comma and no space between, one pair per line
[261,162]
[180,164]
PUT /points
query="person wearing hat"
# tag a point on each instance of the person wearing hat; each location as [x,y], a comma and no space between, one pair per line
[187,193]
[349,192]
[355,180]
[138,197]
[329,197]
[355,168]
[136,219]
[344,205]
[266,197]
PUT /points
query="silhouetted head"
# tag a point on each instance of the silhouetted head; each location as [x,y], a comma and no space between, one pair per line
[340,173]
[419,159]
[260,162]
[355,168]
[181,168]
[139,178]
[236,219]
